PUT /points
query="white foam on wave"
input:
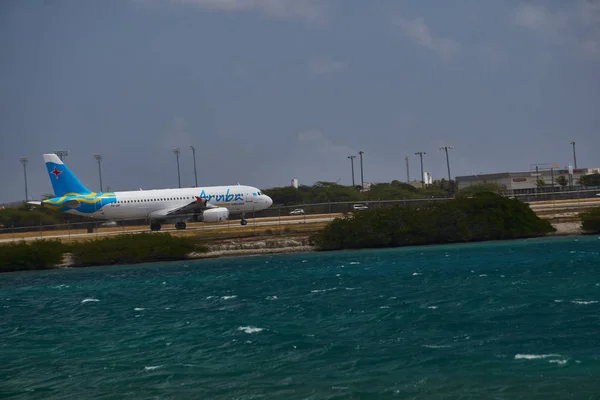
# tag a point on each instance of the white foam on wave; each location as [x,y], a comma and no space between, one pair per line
[323,290]
[229,297]
[535,356]
[558,301]
[384,307]
[88,300]
[250,329]
[60,286]
[434,346]
[271,297]
[416,273]
[559,362]
[584,302]
[354,262]
[432,307]
[138,309]
[352,288]
[482,275]
[304,261]
[152,367]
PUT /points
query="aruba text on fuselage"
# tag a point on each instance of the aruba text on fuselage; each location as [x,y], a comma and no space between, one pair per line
[209,204]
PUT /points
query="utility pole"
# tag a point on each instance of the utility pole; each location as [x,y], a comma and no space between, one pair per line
[24,161]
[176,151]
[448,164]
[574,155]
[420,153]
[98,158]
[352,166]
[195,174]
[362,180]
[407,171]
[61,153]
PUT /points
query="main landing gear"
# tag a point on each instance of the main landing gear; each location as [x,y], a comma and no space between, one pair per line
[155,226]
[180,225]
[243,222]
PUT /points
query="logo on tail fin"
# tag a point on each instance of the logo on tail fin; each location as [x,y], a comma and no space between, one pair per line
[56,172]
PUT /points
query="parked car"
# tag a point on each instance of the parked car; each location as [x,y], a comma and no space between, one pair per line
[297,211]
[359,207]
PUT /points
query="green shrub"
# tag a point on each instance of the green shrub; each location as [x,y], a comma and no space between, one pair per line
[40,254]
[485,216]
[127,248]
[590,220]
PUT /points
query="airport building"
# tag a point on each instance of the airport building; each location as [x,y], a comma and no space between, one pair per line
[530,181]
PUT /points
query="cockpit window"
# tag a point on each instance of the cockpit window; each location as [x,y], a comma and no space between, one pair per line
[259,193]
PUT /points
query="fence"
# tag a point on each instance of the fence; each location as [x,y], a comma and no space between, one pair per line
[274,216]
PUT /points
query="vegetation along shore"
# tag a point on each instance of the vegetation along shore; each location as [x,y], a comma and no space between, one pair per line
[484,216]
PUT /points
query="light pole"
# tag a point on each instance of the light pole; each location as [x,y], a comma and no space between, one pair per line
[61,153]
[420,154]
[176,151]
[98,158]
[352,166]
[24,162]
[574,155]
[362,180]
[195,174]
[448,164]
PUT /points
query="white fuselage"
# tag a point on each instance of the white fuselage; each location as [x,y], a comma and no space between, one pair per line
[158,203]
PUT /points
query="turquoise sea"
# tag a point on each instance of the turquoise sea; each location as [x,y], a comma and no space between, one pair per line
[501,320]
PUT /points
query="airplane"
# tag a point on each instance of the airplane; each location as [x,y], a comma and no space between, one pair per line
[210,204]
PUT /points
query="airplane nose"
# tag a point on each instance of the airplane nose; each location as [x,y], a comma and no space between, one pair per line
[269,201]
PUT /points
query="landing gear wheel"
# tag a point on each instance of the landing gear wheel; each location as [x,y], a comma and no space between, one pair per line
[243,222]
[180,225]
[155,226]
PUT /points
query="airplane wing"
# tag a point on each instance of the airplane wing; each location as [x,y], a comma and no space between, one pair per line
[35,203]
[193,207]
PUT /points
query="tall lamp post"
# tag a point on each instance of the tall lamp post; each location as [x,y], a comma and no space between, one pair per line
[420,154]
[362,180]
[24,161]
[352,167]
[98,158]
[448,164]
[61,154]
[176,151]
[574,155]
[195,174]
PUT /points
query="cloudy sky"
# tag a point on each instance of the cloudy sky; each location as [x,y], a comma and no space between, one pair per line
[269,90]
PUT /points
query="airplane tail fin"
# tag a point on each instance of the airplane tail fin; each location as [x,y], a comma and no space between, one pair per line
[62,179]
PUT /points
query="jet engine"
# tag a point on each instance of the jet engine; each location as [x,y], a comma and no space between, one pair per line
[215,214]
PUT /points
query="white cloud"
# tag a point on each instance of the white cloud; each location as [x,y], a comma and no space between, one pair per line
[418,31]
[310,10]
[575,27]
[325,66]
